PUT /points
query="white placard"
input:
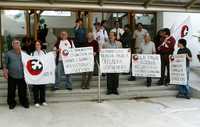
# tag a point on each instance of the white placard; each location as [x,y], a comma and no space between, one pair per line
[39,69]
[178,74]
[115,60]
[146,65]
[78,60]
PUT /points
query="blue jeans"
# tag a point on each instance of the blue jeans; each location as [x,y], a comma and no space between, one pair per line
[185,88]
[59,74]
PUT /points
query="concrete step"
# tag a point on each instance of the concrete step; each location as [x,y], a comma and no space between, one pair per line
[127,90]
[122,89]
[94,83]
[94,97]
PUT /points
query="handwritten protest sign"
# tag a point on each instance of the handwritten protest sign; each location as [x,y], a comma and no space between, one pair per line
[178,73]
[146,65]
[77,60]
[114,60]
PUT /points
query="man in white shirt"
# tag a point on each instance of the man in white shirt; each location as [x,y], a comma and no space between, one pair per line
[148,47]
[119,31]
[100,35]
[138,36]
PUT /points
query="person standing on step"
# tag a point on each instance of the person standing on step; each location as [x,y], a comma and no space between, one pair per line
[166,49]
[80,33]
[112,78]
[87,76]
[39,93]
[13,72]
[184,89]
[62,43]
[138,36]
[119,31]
[148,47]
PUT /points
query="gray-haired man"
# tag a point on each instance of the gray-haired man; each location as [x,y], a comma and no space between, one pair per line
[13,72]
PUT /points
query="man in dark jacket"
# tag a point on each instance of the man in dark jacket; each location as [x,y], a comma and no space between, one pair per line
[166,49]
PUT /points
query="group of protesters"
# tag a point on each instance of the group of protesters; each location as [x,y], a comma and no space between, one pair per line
[138,42]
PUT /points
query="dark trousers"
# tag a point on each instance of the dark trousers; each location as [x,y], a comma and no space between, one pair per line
[86,78]
[13,84]
[112,82]
[149,80]
[164,64]
[39,93]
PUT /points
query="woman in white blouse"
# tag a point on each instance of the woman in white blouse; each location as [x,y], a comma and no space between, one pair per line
[39,93]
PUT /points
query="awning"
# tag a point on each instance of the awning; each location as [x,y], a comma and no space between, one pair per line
[106,5]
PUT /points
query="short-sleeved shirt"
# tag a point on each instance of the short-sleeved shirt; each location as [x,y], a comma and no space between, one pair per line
[118,31]
[185,51]
[65,44]
[148,48]
[139,37]
[13,63]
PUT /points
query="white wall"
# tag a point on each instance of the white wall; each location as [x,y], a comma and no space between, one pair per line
[167,19]
[60,22]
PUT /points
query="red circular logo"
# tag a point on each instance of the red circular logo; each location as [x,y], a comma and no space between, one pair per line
[65,52]
[184,31]
[135,57]
[171,58]
[34,67]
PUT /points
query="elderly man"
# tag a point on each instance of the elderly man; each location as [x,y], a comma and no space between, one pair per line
[13,72]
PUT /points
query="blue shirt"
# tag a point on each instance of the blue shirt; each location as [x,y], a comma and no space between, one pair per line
[13,63]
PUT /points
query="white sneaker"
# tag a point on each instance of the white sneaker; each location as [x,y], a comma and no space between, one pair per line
[37,105]
[44,104]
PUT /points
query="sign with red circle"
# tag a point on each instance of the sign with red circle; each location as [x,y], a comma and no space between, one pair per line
[34,67]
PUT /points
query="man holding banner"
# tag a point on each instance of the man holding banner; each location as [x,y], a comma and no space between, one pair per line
[148,47]
[62,44]
[112,78]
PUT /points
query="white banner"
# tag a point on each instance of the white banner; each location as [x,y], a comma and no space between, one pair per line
[115,60]
[146,65]
[78,60]
[39,69]
[178,74]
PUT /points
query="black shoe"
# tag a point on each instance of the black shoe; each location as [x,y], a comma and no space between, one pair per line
[160,83]
[187,96]
[11,107]
[54,88]
[69,89]
[148,84]
[180,95]
[132,78]
[26,106]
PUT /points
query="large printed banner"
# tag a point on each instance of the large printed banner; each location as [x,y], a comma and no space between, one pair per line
[78,60]
[178,74]
[146,65]
[39,69]
[115,60]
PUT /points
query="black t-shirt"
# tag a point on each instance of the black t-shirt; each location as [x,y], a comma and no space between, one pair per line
[185,51]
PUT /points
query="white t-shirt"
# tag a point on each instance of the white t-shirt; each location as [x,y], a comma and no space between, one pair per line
[118,31]
[101,37]
[40,53]
[65,44]
[139,37]
[148,48]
